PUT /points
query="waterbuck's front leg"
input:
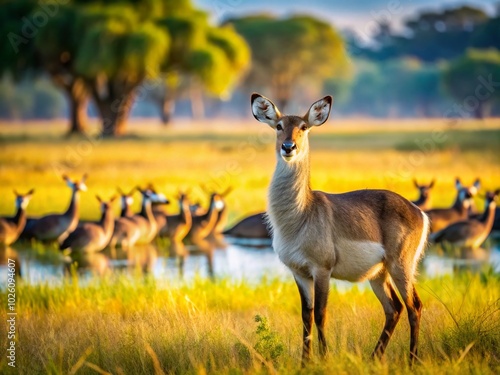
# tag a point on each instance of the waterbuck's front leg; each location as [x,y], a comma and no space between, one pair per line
[321,290]
[306,290]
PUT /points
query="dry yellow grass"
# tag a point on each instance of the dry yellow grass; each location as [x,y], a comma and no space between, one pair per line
[369,156]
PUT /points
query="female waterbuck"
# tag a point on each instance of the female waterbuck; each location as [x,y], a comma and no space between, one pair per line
[368,234]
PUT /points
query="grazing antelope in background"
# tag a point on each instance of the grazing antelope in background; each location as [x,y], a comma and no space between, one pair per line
[251,227]
[126,231]
[178,225]
[56,227]
[215,237]
[424,200]
[11,227]
[223,213]
[158,211]
[197,209]
[92,237]
[177,229]
[145,218]
[203,225]
[442,217]
[470,234]
[374,235]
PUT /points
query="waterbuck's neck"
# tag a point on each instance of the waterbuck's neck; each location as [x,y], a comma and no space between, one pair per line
[126,210]
[461,205]
[107,220]
[74,205]
[210,217]
[290,192]
[147,211]
[20,218]
[221,219]
[489,215]
[185,212]
[422,200]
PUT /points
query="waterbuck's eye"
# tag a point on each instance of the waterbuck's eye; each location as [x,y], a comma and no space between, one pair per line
[279,127]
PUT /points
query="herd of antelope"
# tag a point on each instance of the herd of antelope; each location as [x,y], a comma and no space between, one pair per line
[374,235]
[192,224]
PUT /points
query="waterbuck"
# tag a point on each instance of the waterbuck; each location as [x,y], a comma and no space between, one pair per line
[126,232]
[442,217]
[92,237]
[424,195]
[470,233]
[374,235]
[11,227]
[56,227]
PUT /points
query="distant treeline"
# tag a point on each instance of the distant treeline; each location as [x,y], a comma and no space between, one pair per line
[166,58]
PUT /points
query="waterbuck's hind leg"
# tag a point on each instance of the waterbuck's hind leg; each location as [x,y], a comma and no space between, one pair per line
[306,291]
[321,290]
[383,289]
[413,304]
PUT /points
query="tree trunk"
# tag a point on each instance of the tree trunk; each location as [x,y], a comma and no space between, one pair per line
[78,94]
[114,114]
[167,109]
[197,106]
[478,111]
[281,90]
[78,115]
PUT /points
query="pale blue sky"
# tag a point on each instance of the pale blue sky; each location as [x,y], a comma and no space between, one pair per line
[360,15]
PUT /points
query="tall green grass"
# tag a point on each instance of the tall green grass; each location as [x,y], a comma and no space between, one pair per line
[123,325]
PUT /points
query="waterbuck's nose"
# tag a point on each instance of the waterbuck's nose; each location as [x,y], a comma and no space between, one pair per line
[288,146]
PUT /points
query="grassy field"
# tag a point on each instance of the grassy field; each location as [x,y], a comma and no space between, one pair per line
[136,326]
[124,325]
[345,156]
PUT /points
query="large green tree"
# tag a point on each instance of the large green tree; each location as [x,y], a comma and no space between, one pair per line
[105,50]
[473,79]
[202,58]
[291,53]
[118,51]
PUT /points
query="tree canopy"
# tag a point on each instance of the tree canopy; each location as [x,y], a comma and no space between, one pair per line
[290,53]
[473,80]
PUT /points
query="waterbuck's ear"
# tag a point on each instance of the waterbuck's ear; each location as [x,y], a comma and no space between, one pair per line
[264,110]
[432,183]
[416,183]
[319,111]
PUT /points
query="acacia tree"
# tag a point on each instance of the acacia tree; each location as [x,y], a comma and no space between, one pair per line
[118,52]
[202,58]
[290,53]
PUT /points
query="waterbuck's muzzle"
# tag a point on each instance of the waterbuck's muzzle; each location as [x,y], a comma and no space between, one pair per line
[288,150]
[288,147]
